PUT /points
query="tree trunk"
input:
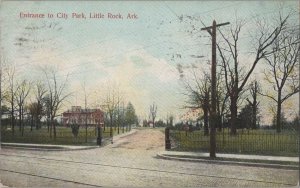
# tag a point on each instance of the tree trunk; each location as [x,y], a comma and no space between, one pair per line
[278,117]
[219,122]
[254,115]
[254,106]
[54,128]
[20,122]
[111,124]
[118,126]
[153,123]
[206,131]
[36,121]
[86,127]
[12,116]
[233,112]
[31,122]
[13,122]
[50,125]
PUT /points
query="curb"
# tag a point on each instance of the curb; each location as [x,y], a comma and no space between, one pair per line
[117,137]
[278,166]
[125,134]
[44,147]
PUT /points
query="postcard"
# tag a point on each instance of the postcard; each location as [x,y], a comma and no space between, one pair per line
[149,93]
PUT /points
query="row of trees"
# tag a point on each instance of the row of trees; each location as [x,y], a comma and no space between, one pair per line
[24,100]
[121,118]
[40,101]
[168,122]
[275,46]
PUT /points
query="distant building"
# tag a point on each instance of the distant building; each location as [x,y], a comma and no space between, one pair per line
[76,115]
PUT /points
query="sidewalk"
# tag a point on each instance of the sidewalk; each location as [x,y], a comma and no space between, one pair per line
[117,137]
[233,159]
[1,185]
[45,147]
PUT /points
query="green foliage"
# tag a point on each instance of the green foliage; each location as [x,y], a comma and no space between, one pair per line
[245,117]
[130,116]
[160,123]
[5,109]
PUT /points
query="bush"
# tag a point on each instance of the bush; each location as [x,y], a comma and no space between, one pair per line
[75,129]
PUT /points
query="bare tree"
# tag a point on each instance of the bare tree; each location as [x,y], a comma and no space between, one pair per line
[21,94]
[37,107]
[4,90]
[254,90]
[11,95]
[111,103]
[283,70]
[40,92]
[197,90]
[221,98]
[236,77]
[54,97]
[153,112]
[32,110]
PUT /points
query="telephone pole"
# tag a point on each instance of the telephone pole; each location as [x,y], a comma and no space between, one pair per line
[0,99]
[212,31]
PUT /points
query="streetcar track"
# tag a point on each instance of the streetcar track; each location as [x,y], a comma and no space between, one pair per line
[51,178]
[145,169]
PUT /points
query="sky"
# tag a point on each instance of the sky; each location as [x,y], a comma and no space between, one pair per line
[137,55]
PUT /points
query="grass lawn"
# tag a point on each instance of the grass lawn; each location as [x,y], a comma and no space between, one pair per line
[266,142]
[63,136]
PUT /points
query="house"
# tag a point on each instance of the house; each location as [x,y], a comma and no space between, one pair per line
[77,115]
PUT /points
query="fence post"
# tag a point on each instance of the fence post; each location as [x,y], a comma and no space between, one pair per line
[167,138]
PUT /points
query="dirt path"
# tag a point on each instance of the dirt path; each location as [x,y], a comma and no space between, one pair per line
[144,139]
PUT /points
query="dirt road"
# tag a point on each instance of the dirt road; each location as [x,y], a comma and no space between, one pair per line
[142,139]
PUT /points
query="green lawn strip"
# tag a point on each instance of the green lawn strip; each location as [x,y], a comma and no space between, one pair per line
[64,136]
[252,141]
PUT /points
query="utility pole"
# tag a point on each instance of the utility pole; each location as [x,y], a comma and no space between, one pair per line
[212,31]
[0,99]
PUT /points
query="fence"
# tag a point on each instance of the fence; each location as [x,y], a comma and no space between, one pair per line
[64,136]
[266,142]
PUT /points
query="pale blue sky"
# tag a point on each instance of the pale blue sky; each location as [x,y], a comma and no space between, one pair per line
[136,54]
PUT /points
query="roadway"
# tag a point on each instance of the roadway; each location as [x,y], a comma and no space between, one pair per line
[129,162]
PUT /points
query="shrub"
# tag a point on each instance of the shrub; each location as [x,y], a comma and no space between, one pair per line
[75,129]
